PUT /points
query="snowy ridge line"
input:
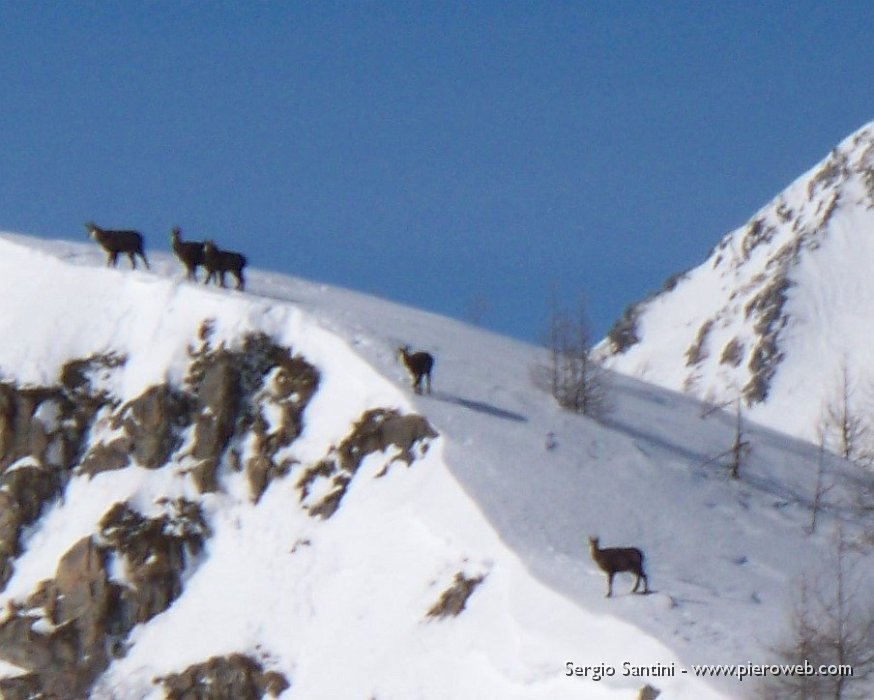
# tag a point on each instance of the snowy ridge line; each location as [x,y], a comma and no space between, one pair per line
[777,308]
[492,498]
[304,596]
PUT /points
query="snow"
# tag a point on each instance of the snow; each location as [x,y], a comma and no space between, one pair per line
[48,414]
[819,238]
[8,670]
[339,606]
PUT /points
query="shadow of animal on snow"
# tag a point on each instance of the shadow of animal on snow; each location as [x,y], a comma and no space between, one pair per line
[480,407]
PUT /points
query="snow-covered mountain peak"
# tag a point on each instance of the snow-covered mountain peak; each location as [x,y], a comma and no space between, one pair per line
[777,306]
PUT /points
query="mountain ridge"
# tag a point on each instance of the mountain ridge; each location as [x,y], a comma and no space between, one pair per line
[768,316]
[506,493]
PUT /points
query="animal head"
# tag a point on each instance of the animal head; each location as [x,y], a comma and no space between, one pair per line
[174,234]
[593,542]
[91,229]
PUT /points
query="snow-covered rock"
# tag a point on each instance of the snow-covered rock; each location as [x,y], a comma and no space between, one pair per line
[777,309]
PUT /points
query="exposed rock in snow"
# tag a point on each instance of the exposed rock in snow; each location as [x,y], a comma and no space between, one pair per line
[777,306]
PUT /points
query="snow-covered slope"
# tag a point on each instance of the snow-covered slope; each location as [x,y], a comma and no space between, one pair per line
[339,605]
[778,305]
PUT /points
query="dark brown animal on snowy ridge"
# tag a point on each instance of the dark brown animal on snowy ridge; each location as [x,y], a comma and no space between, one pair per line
[190,253]
[616,559]
[419,365]
[218,262]
[115,242]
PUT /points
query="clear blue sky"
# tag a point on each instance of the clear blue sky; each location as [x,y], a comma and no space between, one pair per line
[451,156]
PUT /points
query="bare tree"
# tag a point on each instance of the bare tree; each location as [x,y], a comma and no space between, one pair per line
[847,430]
[802,646]
[832,626]
[740,447]
[821,487]
[577,379]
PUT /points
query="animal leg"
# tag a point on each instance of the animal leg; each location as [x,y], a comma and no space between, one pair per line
[609,585]
[133,260]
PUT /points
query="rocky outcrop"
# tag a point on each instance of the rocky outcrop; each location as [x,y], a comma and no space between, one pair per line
[790,280]
[648,692]
[146,430]
[73,625]
[697,351]
[767,310]
[235,676]
[24,687]
[286,391]
[218,403]
[232,388]
[238,408]
[155,552]
[376,431]
[23,492]
[624,332]
[154,421]
[85,379]
[42,435]
[454,598]
[106,456]
[379,429]
[224,399]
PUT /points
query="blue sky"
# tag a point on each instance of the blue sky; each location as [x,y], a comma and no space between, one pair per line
[466,158]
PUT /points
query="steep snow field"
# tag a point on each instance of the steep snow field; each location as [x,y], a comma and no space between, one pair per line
[339,606]
[779,305]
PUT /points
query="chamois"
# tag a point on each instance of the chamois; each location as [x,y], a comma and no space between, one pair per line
[115,242]
[190,253]
[419,365]
[615,559]
[218,262]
